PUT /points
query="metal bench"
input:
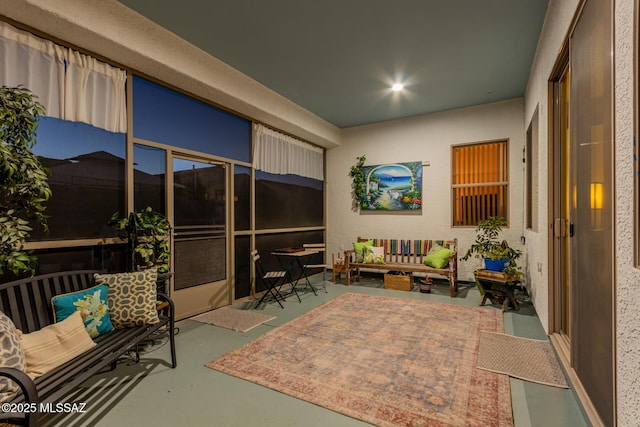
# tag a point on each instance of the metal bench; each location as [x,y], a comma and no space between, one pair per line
[27,303]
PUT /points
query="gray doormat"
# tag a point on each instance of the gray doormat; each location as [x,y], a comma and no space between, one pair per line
[232,318]
[523,358]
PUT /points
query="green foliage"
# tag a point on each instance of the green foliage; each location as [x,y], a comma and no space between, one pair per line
[23,178]
[147,231]
[358,183]
[489,245]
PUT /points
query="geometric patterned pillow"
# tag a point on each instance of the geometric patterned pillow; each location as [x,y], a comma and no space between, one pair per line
[132,297]
[11,356]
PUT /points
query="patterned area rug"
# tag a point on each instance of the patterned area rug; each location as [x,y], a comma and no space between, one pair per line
[232,318]
[527,359]
[386,361]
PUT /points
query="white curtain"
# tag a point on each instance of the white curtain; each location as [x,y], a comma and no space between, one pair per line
[34,63]
[278,153]
[95,93]
[70,85]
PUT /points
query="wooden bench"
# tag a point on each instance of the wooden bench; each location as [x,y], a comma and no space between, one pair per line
[407,256]
[27,303]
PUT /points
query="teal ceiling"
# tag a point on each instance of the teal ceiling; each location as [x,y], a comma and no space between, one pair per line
[339,58]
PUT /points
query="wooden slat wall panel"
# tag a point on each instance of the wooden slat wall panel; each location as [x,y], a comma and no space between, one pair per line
[473,165]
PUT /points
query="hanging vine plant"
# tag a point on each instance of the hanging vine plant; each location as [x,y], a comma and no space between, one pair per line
[147,233]
[358,184]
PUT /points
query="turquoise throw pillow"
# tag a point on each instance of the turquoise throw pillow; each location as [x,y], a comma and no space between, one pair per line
[359,248]
[93,302]
[439,259]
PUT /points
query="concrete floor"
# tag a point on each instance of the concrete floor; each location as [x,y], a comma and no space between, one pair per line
[150,393]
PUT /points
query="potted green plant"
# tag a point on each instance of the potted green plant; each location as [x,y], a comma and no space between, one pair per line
[358,183]
[496,253]
[147,233]
[23,178]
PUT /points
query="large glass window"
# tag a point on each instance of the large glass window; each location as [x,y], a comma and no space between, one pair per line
[242,197]
[87,179]
[288,201]
[479,177]
[149,167]
[166,116]
[110,258]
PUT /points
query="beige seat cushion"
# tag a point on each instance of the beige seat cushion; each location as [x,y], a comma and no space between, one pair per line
[55,344]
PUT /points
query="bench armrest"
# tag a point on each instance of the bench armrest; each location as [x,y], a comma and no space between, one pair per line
[29,391]
[161,296]
[23,381]
[349,256]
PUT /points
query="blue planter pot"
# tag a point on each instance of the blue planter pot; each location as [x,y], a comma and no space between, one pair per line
[495,265]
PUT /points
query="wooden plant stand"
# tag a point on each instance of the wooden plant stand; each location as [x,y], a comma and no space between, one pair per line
[498,287]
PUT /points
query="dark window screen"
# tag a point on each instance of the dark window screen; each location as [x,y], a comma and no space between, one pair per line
[242,200]
[110,258]
[267,243]
[287,201]
[166,116]
[243,266]
[192,267]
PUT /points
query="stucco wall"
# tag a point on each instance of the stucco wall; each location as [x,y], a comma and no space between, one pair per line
[627,275]
[423,138]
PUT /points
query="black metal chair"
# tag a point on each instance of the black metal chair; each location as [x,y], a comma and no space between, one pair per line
[271,280]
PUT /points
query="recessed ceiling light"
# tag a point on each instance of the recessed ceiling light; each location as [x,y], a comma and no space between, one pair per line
[397,87]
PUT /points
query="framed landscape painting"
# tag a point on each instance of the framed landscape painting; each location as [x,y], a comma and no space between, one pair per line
[393,187]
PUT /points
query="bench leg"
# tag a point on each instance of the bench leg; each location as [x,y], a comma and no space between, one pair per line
[172,342]
[172,330]
[136,355]
[172,335]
